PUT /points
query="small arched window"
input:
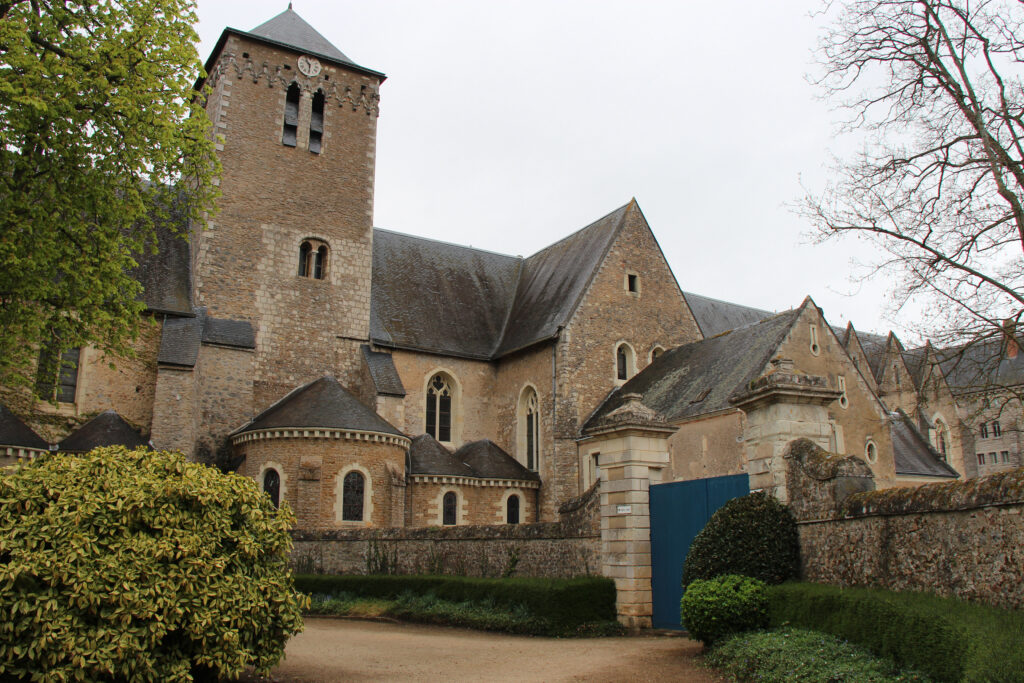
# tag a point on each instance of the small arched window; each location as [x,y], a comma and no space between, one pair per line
[313,259]
[529,416]
[289,135]
[450,509]
[512,510]
[655,352]
[272,486]
[439,408]
[352,497]
[316,123]
[624,362]
[941,438]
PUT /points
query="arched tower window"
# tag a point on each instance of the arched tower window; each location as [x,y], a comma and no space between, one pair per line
[439,408]
[450,509]
[655,352]
[313,259]
[625,362]
[316,123]
[272,486]
[352,494]
[512,510]
[289,136]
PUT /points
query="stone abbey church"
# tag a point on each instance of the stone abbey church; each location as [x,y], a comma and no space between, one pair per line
[373,378]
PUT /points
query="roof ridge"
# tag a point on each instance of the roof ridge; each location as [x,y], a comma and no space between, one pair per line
[576,232]
[448,244]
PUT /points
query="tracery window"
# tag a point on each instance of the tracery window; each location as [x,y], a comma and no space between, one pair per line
[289,135]
[439,408]
[450,509]
[352,497]
[272,486]
[512,510]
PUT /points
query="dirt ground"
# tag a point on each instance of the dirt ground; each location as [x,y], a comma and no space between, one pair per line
[347,650]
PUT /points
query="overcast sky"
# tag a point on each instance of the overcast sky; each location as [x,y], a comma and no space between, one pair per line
[508,125]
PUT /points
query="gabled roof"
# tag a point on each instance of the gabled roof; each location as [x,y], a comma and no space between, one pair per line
[700,378]
[874,346]
[912,454]
[980,365]
[427,456]
[106,429]
[181,337]
[381,367]
[16,434]
[715,316]
[324,404]
[489,461]
[439,297]
[444,298]
[553,281]
[916,361]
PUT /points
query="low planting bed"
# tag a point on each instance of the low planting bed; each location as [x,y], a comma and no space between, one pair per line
[552,607]
[790,654]
[944,638]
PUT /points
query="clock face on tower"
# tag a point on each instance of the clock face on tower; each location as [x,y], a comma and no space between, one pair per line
[309,66]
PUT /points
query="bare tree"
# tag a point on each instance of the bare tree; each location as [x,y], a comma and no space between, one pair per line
[935,86]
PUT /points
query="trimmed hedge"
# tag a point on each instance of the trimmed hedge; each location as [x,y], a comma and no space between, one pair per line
[944,638]
[564,603]
[753,535]
[714,609]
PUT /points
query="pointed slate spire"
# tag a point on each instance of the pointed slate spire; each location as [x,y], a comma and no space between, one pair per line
[288,28]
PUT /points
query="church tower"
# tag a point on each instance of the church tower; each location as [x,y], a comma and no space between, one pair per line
[291,247]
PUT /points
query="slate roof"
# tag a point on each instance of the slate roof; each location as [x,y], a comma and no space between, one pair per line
[874,346]
[427,456]
[166,276]
[980,365]
[700,378]
[489,461]
[915,360]
[444,298]
[383,373]
[553,281]
[912,454]
[181,337]
[15,433]
[322,403]
[715,316]
[439,297]
[106,429]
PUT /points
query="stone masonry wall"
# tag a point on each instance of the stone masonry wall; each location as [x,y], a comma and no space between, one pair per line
[477,504]
[569,547]
[656,315]
[274,197]
[962,538]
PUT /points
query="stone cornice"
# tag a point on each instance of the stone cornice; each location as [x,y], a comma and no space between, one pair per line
[357,97]
[472,481]
[21,452]
[320,433]
[786,387]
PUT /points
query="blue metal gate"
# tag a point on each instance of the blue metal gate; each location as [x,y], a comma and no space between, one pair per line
[678,512]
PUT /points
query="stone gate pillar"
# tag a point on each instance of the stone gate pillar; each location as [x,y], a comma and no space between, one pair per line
[781,406]
[632,446]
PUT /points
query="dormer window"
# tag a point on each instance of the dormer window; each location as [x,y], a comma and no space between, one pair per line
[316,123]
[290,134]
[313,259]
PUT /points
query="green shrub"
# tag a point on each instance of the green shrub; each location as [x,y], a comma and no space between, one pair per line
[754,536]
[944,638]
[138,565]
[563,603]
[719,607]
[796,655]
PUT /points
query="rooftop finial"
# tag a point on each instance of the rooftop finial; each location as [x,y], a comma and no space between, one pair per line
[289,4]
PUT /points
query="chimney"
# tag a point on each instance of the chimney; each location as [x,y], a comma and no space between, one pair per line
[1010,344]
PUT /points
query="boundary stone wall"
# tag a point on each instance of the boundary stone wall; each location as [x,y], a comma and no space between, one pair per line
[963,539]
[567,548]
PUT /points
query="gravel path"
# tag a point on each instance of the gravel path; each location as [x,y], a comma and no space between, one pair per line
[347,650]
